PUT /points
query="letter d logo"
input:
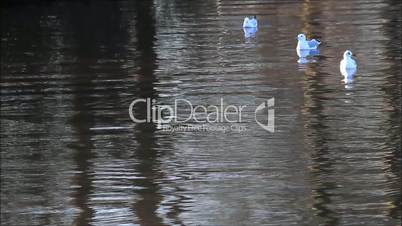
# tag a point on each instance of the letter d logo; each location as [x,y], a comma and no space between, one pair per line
[269,104]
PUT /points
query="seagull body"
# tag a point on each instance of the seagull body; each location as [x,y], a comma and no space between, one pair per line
[303,53]
[347,63]
[250,32]
[348,67]
[304,44]
[250,22]
[349,75]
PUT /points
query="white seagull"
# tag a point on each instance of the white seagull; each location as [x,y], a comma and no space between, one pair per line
[304,44]
[250,22]
[347,62]
[348,66]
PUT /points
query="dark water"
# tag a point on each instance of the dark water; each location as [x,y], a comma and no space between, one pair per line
[70,154]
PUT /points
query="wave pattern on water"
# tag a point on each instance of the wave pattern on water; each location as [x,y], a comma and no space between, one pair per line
[71,155]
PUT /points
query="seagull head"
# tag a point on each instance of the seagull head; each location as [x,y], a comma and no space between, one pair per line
[347,54]
[301,37]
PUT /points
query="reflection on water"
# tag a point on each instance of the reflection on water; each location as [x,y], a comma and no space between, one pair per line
[250,32]
[306,55]
[71,155]
[348,76]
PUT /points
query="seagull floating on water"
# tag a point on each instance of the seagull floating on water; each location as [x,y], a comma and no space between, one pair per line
[348,67]
[250,22]
[347,62]
[304,44]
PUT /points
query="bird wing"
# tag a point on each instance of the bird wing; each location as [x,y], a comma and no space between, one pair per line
[313,43]
[245,22]
[254,23]
[354,62]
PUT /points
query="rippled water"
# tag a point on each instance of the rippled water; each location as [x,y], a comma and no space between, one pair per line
[70,154]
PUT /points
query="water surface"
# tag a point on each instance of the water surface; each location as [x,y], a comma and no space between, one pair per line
[70,154]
